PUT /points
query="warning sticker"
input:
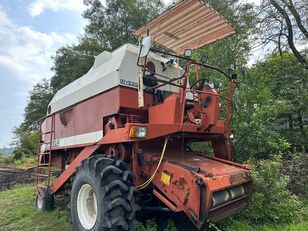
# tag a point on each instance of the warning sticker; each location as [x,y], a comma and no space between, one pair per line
[165,178]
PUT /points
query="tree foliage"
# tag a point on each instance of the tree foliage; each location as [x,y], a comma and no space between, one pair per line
[288,82]
[27,145]
[112,25]
[283,23]
[72,62]
[253,118]
[270,116]
[232,51]
[39,98]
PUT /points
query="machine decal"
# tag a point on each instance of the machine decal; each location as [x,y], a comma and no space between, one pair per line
[56,143]
[128,83]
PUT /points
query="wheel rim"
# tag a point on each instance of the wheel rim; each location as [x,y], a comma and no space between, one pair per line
[39,202]
[87,206]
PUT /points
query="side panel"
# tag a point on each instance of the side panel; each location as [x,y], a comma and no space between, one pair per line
[83,123]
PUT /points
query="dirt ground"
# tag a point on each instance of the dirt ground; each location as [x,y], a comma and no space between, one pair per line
[9,177]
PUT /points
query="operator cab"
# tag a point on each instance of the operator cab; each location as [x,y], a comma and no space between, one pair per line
[195,104]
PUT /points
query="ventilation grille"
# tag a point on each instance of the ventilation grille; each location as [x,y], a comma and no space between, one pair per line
[66,117]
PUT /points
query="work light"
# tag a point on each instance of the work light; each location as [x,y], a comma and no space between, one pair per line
[188,53]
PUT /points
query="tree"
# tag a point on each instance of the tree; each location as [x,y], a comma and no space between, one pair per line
[37,105]
[271,108]
[281,23]
[72,62]
[289,83]
[26,145]
[1,154]
[234,50]
[297,16]
[112,25]
[254,118]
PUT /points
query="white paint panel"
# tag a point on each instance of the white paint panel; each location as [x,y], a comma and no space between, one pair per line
[91,137]
[109,70]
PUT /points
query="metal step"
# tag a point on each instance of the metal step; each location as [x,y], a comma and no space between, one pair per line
[44,133]
[43,165]
[42,186]
[45,153]
[45,142]
[42,175]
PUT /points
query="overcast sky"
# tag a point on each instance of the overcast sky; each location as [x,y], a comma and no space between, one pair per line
[30,33]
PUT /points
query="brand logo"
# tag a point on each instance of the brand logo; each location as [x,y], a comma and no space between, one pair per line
[128,83]
[55,143]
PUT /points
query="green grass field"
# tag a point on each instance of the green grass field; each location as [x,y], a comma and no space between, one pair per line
[17,213]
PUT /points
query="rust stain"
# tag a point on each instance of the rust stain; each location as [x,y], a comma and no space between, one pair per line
[175,182]
[238,178]
[186,196]
[182,183]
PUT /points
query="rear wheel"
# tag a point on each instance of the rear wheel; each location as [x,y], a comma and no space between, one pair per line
[45,203]
[102,196]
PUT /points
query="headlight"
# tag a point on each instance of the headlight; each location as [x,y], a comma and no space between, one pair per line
[138,132]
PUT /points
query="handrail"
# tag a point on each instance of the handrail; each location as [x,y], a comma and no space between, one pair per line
[195,62]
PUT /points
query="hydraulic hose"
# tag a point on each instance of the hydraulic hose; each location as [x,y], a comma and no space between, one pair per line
[145,184]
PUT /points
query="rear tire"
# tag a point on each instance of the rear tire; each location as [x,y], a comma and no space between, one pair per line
[46,203]
[102,196]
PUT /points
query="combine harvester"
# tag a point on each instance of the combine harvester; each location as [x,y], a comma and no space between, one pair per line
[122,133]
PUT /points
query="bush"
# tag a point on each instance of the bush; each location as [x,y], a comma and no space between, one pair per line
[271,200]
[27,145]
[297,169]
[149,226]
[5,160]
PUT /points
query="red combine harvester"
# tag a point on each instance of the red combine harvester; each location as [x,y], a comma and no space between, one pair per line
[123,132]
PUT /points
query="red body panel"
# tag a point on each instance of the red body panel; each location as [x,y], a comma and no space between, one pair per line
[183,192]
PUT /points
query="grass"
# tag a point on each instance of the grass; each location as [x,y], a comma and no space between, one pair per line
[17,213]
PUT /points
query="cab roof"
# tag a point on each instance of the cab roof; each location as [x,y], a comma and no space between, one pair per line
[189,24]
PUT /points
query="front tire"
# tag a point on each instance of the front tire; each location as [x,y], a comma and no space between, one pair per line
[102,196]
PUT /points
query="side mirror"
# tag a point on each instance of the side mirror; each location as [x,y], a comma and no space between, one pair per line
[145,46]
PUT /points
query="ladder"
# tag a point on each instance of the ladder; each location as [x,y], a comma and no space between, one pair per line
[43,169]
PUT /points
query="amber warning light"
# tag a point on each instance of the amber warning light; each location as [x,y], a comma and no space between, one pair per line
[138,132]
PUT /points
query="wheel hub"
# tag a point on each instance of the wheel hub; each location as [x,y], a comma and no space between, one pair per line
[39,202]
[87,206]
